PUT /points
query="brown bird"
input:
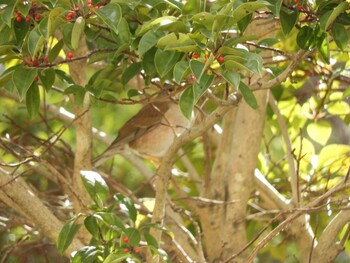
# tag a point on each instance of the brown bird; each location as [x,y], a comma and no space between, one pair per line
[150,132]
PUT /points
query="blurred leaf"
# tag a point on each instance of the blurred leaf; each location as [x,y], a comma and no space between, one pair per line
[78,92]
[117,257]
[151,241]
[328,18]
[248,95]
[22,79]
[66,235]
[340,36]
[91,224]
[339,108]
[306,38]
[131,72]
[96,186]
[111,15]
[187,102]
[53,53]
[128,205]
[67,35]
[87,254]
[77,30]
[319,131]
[323,47]
[47,78]
[33,100]
[134,236]
[288,19]
[330,153]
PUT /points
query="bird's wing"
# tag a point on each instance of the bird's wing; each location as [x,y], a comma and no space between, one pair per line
[144,121]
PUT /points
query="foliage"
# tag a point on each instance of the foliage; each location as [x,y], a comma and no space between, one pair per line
[198,47]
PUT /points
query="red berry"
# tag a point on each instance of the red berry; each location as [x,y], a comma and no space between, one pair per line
[300,7]
[221,59]
[126,239]
[18,19]
[36,78]
[27,19]
[137,251]
[70,54]
[296,1]
[37,16]
[193,78]
[68,18]
[126,250]
[195,55]
[46,60]
[90,6]
[18,13]
[70,14]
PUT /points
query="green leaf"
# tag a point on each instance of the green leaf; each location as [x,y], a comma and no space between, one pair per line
[151,241]
[275,6]
[246,9]
[248,95]
[330,153]
[288,19]
[55,19]
[177,42]
[131,210]
[319,131]
[340,36]
[148,41]
[91,224]
[148,63]
[77,30]
[96,186]
[47,78]
[66,235]
[233,78]
[158,21]
[53,53]
[43,27]
[181,70]
[86,254]
[133,235]
[339,108]
[111,15]
[67,34]
[130,72]
[35,42]
[306,38]
[117,257]
[78,92]
[111,219]
[187,102]
[22,79]
[328,18]
[124,31]
[197,68]
[33,100]
[165,61]
[323,47]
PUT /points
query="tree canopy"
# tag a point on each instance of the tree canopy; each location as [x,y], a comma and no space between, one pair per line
[262,174]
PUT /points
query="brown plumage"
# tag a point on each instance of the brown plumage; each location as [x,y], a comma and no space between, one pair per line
[150,132]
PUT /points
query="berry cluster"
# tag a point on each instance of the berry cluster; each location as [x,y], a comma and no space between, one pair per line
[298,5]
[72,15]
[130,248]
[33,12]
[34,62]
[91,5]
[220,58]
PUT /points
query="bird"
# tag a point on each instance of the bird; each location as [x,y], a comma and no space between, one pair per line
[151,131]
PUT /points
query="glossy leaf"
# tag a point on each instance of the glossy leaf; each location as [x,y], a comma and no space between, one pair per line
[95,186]
[306,38]
[35,42]
[165,61]
[66,235]
[111,15]
[248,95]
[148,40]
[328,18]
[233,78]
[91,224]
[177,42]
[47,78]
[187,102]
[87,254]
